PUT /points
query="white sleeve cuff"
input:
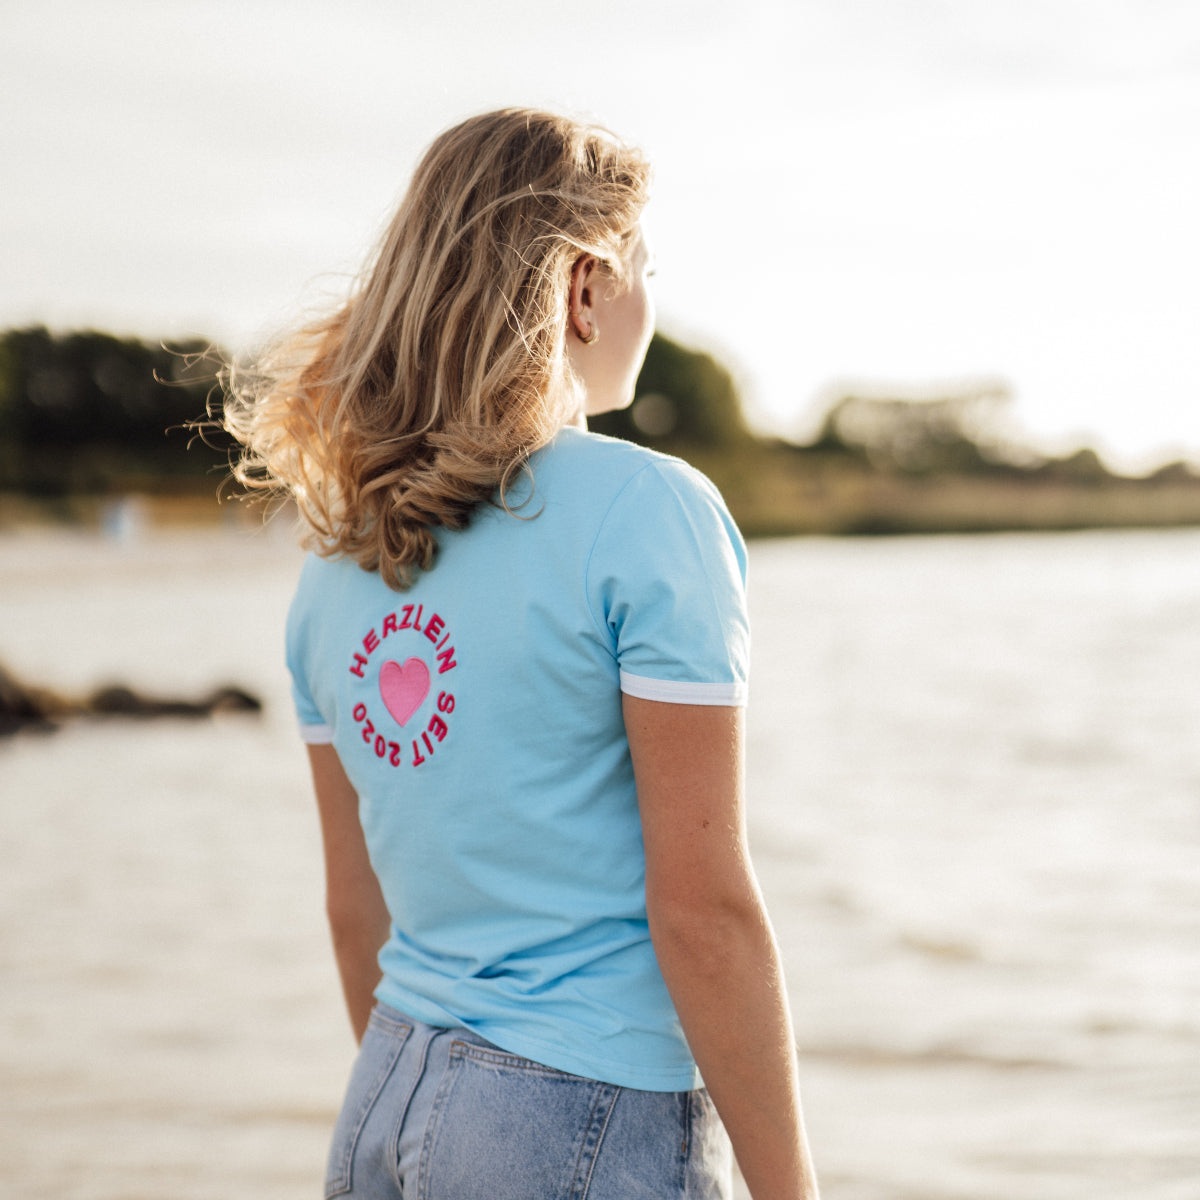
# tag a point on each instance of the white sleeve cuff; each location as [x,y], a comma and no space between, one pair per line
[316,735]
[681,692]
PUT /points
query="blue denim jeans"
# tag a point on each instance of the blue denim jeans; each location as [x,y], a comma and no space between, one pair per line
[441,1114]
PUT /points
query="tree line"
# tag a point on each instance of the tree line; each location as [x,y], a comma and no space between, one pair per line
[92,413]
[88,412]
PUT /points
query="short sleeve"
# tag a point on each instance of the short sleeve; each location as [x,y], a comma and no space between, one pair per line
[314,730]
[666,583]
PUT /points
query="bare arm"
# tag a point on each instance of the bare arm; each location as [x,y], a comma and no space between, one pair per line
[712,936]
[358,917]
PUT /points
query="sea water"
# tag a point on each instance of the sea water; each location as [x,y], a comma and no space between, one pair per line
[974,786]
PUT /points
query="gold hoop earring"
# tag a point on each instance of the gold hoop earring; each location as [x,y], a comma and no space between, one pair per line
[591,337]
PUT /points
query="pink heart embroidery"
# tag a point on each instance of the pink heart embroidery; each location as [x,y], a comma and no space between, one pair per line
[403,688]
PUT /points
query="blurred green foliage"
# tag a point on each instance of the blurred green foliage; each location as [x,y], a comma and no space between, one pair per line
[966,431]
[684,400]
[90,412]
[87,414]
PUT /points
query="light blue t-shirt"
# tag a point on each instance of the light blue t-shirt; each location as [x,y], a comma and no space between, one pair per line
[478,715]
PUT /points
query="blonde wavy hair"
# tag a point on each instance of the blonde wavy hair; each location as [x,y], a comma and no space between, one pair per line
[424,394]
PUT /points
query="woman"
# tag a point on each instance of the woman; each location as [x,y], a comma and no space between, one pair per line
[519,658]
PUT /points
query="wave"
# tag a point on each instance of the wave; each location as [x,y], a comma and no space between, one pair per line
[945,1054]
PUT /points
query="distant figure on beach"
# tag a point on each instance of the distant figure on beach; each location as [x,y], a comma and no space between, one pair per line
[519,658]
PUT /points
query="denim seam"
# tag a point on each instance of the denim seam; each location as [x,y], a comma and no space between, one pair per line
[387,1025]
[434,1119]
[593,1140]
[342,1182]
[418,1075]
[687,1143]
[501,1058]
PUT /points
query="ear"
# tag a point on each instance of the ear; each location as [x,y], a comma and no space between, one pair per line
[580,296]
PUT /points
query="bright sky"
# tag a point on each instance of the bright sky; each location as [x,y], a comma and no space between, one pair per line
[901,193]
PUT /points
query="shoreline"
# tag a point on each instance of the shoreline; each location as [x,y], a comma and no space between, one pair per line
[769,497]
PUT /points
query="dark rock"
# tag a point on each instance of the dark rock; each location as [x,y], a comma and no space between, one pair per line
[20,707]
[233,700]
[24,707]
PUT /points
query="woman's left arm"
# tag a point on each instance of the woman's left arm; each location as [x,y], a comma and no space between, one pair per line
[712,938]
[358,916]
